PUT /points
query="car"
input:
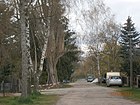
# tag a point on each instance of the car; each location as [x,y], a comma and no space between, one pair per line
[90,78]
[66,81]
[95,80]
[114,81]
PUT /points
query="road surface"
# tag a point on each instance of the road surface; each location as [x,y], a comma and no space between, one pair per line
[84,93]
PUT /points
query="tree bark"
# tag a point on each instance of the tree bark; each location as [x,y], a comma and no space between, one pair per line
[24,47]
[39,72]
[46,19]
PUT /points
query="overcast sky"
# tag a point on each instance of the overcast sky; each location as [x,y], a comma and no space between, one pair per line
[124,8]
[120,8]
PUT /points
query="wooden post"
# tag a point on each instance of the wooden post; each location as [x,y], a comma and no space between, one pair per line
[137,81]
[127,81]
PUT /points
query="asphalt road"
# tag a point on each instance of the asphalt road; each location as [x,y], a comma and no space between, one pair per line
[84,93]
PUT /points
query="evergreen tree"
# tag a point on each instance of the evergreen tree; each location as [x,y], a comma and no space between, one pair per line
[128,33]
[67,62]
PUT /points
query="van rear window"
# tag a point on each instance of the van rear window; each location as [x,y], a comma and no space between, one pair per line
[115,77]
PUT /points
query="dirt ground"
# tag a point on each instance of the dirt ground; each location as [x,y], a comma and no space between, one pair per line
[84,93]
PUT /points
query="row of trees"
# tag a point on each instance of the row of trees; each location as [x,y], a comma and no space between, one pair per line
[36,42]
[34,37]
[115,51]
[109,43]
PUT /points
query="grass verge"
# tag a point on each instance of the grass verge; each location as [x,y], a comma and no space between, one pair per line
[129,93]
[32,100]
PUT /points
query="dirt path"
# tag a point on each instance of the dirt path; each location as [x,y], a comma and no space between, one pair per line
[84,93]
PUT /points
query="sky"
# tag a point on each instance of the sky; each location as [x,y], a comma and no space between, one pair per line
[124,8]
[121,9]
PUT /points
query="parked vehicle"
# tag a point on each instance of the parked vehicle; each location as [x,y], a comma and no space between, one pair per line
[66,81]
[108,74]
[95,80]
[114,80]
[90,78]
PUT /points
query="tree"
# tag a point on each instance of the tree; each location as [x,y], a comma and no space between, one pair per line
[56,39]
[129,40]
[38,21]
[10,53]
[128,31]
[25,45]
[111,58]
[39,26]
[95,20]
[67,62]
[41,22]
[5,31]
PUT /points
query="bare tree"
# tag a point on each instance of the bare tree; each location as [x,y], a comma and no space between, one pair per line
[111,47]
[95,19]
[40,30]
[50,34]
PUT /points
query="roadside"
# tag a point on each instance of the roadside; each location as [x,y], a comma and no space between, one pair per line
[131,94]
[31,100]
[81,93]
[84,93]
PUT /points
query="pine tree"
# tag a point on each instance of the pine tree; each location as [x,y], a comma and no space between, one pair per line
[66,63]
[128,33]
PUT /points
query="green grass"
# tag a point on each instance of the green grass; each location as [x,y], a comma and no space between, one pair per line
[32,100]
[132,94]
[126,92]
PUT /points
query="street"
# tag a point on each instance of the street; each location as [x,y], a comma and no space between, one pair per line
[85,93]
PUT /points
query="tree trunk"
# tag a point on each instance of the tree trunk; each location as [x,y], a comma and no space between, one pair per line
[43,57]
[98,67]
[39,72]
[35,64]
[24,47]
[44,49]
[52,76]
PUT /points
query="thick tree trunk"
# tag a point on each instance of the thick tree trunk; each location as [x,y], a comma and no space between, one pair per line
[53,72]
[24,47]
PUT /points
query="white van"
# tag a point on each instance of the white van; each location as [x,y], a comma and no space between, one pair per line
[108,74]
